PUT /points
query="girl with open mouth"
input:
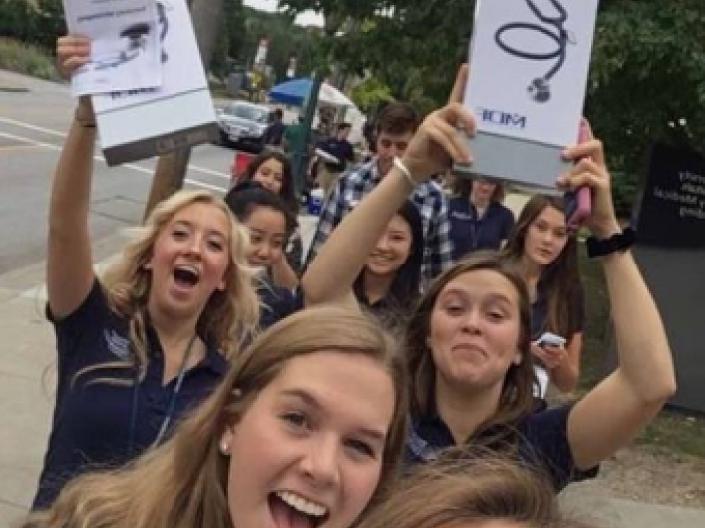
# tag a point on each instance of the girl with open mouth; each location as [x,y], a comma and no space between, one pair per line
[305,432]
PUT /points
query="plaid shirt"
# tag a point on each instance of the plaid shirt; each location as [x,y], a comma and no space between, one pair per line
[428,197]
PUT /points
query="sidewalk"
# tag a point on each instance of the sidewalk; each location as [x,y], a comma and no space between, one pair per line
[26,398]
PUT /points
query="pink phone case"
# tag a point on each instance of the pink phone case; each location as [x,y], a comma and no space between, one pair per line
[579,203]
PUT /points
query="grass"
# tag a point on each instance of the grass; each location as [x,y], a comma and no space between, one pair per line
[674,431]
[27,59]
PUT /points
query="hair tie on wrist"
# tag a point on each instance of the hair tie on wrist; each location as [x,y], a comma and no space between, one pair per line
[399,164]
[85,123]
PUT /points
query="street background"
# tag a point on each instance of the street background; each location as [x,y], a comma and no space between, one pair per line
[34,116]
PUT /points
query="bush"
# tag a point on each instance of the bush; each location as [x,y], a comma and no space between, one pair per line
[27,59]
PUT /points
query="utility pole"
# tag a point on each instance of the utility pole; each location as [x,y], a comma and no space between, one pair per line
[171,168]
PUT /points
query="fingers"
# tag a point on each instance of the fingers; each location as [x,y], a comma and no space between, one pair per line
[589,149]
[459,116]
[461,79]
[453,141]
[72,52]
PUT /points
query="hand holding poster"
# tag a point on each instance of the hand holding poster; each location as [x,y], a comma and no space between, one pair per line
[125,44]
[529,65]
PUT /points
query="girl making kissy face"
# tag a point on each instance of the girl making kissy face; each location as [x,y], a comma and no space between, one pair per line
[468,339]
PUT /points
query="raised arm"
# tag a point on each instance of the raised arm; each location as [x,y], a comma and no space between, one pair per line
[69,260]
[331,274]
[611,414]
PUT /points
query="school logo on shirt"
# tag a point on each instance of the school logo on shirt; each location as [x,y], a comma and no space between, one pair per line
[117,344]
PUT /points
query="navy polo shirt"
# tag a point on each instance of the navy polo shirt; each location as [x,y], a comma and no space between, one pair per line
[94,420]
[470,233]
[541,442]
[275,302]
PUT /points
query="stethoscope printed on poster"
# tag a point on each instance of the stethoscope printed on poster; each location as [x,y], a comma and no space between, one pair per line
[126,44]
[529,65]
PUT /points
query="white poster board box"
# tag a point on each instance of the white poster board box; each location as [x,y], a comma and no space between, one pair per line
[143,123]
[529,62]
[125,45]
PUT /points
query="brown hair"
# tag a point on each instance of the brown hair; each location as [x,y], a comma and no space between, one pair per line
[397,118]
[516,399]
[462,186]
[561,278]
[287,192]
[182,483]
[465,488]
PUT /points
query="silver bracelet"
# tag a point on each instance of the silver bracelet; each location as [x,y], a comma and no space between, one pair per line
[399,164]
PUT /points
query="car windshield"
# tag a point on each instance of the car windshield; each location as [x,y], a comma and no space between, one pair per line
[251,113]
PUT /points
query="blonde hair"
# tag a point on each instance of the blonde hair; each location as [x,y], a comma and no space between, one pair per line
[182,484]
[230,315]
[467,487]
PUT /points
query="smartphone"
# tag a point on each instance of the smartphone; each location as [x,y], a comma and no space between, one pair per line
[578,204]
[549,339]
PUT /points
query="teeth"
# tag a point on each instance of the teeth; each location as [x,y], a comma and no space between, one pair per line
[186,267]
[303,505]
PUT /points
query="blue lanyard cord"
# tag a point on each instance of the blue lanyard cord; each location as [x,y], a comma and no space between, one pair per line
[172,401]
[560,36]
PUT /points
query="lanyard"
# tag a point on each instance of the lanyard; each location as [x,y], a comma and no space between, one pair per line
[172,401]
[539,88]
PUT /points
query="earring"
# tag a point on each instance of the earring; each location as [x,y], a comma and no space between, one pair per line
[224,448]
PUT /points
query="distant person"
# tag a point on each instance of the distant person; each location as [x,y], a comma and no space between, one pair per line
[396,125]
[275,131]
[478,220]
[339,147]
[293,137]
[269,223]
[382,274]
[273,171]
[546,255]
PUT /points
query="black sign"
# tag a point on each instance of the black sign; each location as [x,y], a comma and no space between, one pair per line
[672,211]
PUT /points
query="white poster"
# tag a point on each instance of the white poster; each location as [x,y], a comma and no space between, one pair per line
[529,63]
[181,66]
[138,124]
[125,44]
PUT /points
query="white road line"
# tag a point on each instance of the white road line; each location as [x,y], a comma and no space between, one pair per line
[56,133]
[32,127]
[131,166]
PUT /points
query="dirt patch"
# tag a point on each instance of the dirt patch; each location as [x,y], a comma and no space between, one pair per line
[652,475]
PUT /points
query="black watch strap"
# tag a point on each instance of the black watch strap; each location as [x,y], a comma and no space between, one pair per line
[617,242]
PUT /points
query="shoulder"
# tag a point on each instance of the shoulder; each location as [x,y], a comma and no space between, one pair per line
[544,440]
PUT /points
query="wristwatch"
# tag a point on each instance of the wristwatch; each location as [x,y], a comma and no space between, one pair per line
[617,242]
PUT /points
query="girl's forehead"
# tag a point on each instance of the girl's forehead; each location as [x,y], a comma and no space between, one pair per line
[203,215]
[480,283]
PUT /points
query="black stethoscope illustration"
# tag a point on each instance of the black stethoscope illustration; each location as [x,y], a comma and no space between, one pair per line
[539,89]
[136,36]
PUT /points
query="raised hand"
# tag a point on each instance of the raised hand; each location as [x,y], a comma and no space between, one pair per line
[442,137]
[72,52]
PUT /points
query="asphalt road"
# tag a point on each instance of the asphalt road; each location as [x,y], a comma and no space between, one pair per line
[34,118]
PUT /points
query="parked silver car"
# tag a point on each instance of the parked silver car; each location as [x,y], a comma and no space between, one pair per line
[242,124]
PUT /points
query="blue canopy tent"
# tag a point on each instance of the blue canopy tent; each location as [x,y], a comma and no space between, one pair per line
[292,92]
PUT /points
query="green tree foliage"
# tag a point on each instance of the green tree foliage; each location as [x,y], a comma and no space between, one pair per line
[370,93]
[647,80]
